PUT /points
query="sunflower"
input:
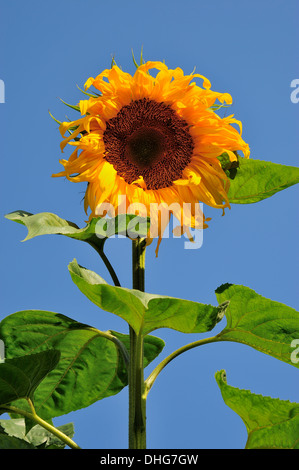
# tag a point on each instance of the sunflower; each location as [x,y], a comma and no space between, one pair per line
[154,139]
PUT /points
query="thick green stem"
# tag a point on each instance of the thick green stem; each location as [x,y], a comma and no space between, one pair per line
[138,263]
[137,400]
[67,440]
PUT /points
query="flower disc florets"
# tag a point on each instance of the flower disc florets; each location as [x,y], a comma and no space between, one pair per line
[148,139]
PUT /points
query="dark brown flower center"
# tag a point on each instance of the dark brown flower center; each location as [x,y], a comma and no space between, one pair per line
[148,139]
[145,147]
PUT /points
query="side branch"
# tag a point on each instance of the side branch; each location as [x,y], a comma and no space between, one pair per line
[154,374]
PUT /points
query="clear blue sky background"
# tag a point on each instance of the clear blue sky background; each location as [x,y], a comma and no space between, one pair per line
[246,48]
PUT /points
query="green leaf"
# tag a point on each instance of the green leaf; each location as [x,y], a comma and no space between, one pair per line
[38,436]
[14,427]
[145,312]
[12,442]
[266,325]
[44,439]
[271,423]
[91,366]
[95,232]
[19,377]
[255,180]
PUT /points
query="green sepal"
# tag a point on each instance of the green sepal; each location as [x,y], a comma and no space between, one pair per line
[72,106]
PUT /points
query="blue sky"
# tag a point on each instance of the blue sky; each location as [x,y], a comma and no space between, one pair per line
[245,48]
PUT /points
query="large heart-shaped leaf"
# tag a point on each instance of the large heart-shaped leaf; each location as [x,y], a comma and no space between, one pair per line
[271,423]
[266,325]
[91,366]
[146,312]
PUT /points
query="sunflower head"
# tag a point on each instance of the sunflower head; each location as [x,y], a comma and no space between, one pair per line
[152,139]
